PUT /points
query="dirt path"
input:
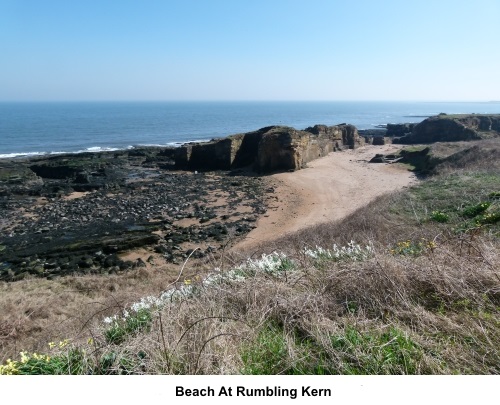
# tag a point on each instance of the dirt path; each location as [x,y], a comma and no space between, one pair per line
[329,189]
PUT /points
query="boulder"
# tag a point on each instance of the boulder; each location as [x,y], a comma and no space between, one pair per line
[378,158]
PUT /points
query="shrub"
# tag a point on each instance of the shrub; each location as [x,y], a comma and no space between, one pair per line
[474,210]
[488,218]
[440,216]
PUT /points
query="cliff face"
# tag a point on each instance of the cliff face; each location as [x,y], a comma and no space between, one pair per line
[450,128]
[268,149]
[281,148]
[481,123]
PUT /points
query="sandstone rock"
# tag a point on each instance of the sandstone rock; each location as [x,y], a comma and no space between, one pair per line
[281,148]
[268,149]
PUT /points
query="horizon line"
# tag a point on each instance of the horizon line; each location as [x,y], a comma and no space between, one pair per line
[245,101]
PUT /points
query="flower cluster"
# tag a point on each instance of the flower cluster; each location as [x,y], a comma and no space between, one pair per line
[352,251]
[412,248]
[273,263]
[10,368]
[146,304]
[25,357]
[13,367]
[62,344]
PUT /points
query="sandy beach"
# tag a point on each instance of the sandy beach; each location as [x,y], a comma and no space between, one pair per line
[329,189]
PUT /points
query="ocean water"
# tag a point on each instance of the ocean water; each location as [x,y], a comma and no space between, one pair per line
[55,127]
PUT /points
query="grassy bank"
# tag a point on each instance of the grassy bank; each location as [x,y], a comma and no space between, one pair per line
[417,292]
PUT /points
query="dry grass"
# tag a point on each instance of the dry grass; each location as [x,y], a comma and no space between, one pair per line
[36,311]
[478,155]
[443,305]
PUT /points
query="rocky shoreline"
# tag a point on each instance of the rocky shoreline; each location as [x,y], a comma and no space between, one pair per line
[82,213]
[78,214]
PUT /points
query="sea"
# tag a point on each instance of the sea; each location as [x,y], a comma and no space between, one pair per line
[41,128]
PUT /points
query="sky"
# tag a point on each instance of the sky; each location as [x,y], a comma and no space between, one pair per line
[426,50]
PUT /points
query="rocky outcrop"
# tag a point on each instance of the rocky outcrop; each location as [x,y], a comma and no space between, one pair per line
[398,130]
[380,140]
[284,148]
[481,123]
[451,128]
[268,149]
[220,154]
[421,159]
[341,136]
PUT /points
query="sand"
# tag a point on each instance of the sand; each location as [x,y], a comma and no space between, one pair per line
[329,189]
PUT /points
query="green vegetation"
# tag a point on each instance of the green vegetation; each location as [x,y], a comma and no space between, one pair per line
[348,352]
[390,352]
[474,210]
[440,216]
[268,354]
[461,202]
[132,323]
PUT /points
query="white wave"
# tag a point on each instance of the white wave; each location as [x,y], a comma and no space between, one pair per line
[21,154]
[150,145]
[170,144]
[96,149]
[180,143]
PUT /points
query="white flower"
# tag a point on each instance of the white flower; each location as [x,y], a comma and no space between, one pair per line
[273,263]
[352,251]
[110,319]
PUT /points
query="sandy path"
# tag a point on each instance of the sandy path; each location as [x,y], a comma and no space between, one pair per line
[329,189]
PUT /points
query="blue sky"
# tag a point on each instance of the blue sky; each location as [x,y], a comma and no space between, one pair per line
[250,50]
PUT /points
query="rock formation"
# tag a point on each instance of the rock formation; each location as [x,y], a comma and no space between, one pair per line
[450,128]
[268,149]
[398,130]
